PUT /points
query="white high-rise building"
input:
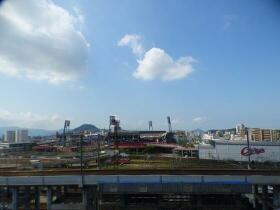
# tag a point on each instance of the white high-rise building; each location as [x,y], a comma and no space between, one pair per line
[22,135]
[10,136]
[240,129]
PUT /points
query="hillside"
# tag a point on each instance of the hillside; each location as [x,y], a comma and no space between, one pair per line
[86,127]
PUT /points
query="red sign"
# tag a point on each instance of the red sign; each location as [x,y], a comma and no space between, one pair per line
[251,151]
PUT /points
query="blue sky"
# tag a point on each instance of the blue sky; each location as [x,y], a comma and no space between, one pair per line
[228,72]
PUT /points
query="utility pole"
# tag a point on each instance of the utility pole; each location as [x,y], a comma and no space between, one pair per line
[98,151]
[81,157]
[248,146]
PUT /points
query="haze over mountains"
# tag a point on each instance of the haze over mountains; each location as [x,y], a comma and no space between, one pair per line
[86,127]
[45,132]
[31,131]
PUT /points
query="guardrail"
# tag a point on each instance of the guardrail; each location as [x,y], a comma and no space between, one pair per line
[191,171]
[138,179]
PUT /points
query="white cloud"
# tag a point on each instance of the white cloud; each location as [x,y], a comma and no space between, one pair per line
[199,119]
[79,14]
[156,63]
[228,20]
[30,120]
[41,41]
[132,41]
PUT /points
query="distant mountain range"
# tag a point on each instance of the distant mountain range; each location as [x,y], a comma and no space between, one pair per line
[200,131]
[45,132]
[86,127]
[222,130]
[31,131]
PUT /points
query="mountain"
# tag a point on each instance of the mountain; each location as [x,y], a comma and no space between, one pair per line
[196,132]
[41,132]
[232,130]
[86,127]
[31,131]
[4,129]
[200,131]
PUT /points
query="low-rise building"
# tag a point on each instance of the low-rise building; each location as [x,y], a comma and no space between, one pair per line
[258,134]
[240,130]
[13,147]
[239,151]
[180,136]
[207,136]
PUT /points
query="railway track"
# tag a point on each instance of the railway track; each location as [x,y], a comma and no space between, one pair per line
[57,172]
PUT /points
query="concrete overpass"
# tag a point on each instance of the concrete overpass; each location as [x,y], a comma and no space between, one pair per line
[91,185]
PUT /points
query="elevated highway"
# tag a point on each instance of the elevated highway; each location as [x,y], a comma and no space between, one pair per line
[153,182]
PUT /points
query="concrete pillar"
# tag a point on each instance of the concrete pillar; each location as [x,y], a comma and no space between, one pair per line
[49,198]
[27,198]
[94,198]
[90,198]
[37,198]
[255,195]
[198,199]
[276,197]
[122,201]
[255,189]
[14,198]
[1,198]
[65,189]
[264,198]
[6,195]
[238,203]
[85,197]
[58,192]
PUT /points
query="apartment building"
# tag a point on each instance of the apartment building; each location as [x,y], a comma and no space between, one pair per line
[258,134]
